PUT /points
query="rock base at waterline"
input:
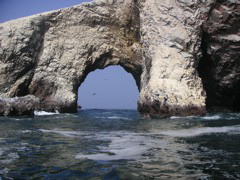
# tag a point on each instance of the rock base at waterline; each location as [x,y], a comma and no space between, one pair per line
[18,106]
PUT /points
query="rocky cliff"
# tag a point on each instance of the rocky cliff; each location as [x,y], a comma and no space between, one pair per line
[219,67]
[183,54]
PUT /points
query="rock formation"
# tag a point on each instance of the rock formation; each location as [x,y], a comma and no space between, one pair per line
[220,65]
[159,42]
[18,106]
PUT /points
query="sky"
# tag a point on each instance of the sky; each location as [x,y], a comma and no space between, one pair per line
[111,88]
[12,9]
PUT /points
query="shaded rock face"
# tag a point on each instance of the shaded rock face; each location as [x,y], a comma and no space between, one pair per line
[220,64]
[18,106]
[159,42]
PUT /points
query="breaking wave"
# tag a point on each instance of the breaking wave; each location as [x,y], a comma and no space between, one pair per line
[201,131]
[44,113]
[64,133]
[215,117]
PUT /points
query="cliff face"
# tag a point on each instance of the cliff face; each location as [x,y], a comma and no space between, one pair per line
[159,42]
[49,55]
[220,65]
[171,38]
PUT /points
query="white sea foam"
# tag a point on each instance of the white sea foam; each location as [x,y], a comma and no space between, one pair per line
[182,117]
[133,152]
[26,131]
[4,171]
[1,152]
[174,133]
[9,158]
[123,145]
[117,117]
[113,117]
[44,113]
[209,117]
[127,146]
[64,133]
[130,145]
[133,146]
[201,131]
[215,117]
[16,119]
[175,117]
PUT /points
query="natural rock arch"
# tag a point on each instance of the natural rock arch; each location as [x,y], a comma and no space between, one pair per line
[135,71]
[158,42]
[58,49]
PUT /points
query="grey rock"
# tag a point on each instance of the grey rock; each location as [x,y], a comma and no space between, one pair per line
[170,81]
[50,54]
[18,106]
[159,42]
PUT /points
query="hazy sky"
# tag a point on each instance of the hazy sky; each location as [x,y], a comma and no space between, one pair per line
[111,88]
[12,9]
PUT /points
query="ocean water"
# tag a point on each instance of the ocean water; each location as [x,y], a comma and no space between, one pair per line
[119,144]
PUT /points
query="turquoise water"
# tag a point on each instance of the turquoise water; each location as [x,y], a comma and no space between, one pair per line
[119,144]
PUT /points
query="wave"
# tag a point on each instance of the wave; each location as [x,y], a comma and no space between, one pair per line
[114,153]
[174,133]
[64,133]
[17,119]
[132,145]
[26,131]
[215,117]
[117,117]
[182,117]
[121,146]
[9,158]
[113,117]
[44,113]
[201,131]
[228,116]
[208,117]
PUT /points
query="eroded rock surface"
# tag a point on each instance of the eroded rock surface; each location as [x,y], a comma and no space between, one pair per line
[18,106]
[49,55]
[159,42]
[220,65]
[171,39]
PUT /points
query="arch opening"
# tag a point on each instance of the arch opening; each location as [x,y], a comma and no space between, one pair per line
[109,88]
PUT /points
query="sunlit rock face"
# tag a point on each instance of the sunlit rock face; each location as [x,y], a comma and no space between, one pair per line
[171,39]
[50,54]
[159,42]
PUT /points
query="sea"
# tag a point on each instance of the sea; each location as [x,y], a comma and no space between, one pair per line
[119,144]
